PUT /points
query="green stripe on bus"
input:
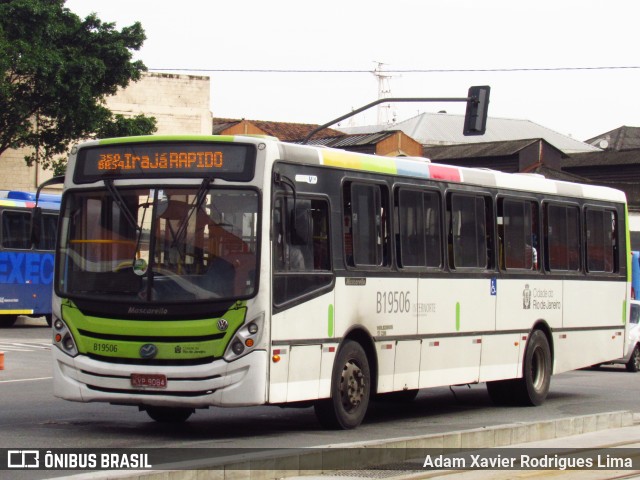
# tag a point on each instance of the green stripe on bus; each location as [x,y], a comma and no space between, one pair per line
[330,321]
[457,316]
[628,239]
[168,138]
[354,161]
[380,165]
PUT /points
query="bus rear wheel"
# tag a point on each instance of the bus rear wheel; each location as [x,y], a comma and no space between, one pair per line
[533,387]
[350,389]
[168,414]
[536,379]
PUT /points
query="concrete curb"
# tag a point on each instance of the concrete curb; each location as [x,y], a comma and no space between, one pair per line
[276,464]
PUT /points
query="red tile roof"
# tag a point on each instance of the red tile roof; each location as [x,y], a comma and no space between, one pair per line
[284,131]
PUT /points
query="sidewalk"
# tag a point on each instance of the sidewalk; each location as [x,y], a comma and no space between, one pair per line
[404,458]
[624,438]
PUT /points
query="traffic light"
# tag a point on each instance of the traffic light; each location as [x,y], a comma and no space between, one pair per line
[475,119]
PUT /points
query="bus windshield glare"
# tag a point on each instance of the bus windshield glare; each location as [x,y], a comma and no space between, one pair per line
[154,246]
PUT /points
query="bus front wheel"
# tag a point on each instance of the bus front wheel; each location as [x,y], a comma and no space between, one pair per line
[169,414]
[350,389]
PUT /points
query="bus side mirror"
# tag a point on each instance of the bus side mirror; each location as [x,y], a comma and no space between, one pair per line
[475,119]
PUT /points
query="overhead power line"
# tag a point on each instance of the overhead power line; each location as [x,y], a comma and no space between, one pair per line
[399,71]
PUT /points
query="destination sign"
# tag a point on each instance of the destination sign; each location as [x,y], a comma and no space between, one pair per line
[229,161]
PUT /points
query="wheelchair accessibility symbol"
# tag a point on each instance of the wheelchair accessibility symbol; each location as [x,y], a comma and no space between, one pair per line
[494,286]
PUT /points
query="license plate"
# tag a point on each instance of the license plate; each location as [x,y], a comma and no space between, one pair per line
[148,380]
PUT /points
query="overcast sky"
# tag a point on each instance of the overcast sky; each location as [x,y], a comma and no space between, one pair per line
[576,62]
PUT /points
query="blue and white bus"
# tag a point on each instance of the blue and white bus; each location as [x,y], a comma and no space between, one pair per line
[26,268]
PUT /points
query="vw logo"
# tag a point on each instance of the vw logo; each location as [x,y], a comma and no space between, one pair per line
[148,351]
[223,324]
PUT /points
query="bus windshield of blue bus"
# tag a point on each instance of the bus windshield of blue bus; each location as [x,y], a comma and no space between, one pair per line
[165,159]
[158,246]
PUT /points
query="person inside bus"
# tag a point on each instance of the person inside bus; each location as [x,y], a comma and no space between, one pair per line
[287,257]
[292,250]
[300,237]
[294,258]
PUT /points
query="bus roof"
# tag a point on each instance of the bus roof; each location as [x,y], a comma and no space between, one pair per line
[424,168]
[21,199]
[401,166]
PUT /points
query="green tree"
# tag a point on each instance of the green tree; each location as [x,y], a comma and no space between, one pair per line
[55,71]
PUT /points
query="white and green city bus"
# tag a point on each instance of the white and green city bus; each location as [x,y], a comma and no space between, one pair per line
[198,271]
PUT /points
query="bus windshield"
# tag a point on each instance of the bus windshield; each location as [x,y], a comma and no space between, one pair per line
[154,245]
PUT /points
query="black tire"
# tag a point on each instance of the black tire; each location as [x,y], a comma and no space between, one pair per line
[350,389]
[533,387]
[49,319]
[169,414]
[7,321]
[633,365]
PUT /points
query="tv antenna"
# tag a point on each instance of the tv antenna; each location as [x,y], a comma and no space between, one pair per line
[384,91]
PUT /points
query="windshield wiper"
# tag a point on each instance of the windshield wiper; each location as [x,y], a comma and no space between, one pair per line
[201,195]
[122,205]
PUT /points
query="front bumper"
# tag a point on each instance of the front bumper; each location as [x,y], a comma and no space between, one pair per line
[239,383]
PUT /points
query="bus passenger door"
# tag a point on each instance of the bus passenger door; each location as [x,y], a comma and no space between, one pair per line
[303,301]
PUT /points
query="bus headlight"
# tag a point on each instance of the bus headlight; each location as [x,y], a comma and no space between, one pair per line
[246,339]
[63,339]
[237,348]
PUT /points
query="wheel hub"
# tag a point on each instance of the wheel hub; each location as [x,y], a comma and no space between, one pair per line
[352,385]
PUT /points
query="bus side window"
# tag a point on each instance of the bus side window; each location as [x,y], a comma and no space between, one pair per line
[519,243]
[300,246]
[48,232]
[291,248]
[366,226]
[470,234]
[16,227]
[562,237]
[301,251]
[419,243]
[600,231]
[301,235]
